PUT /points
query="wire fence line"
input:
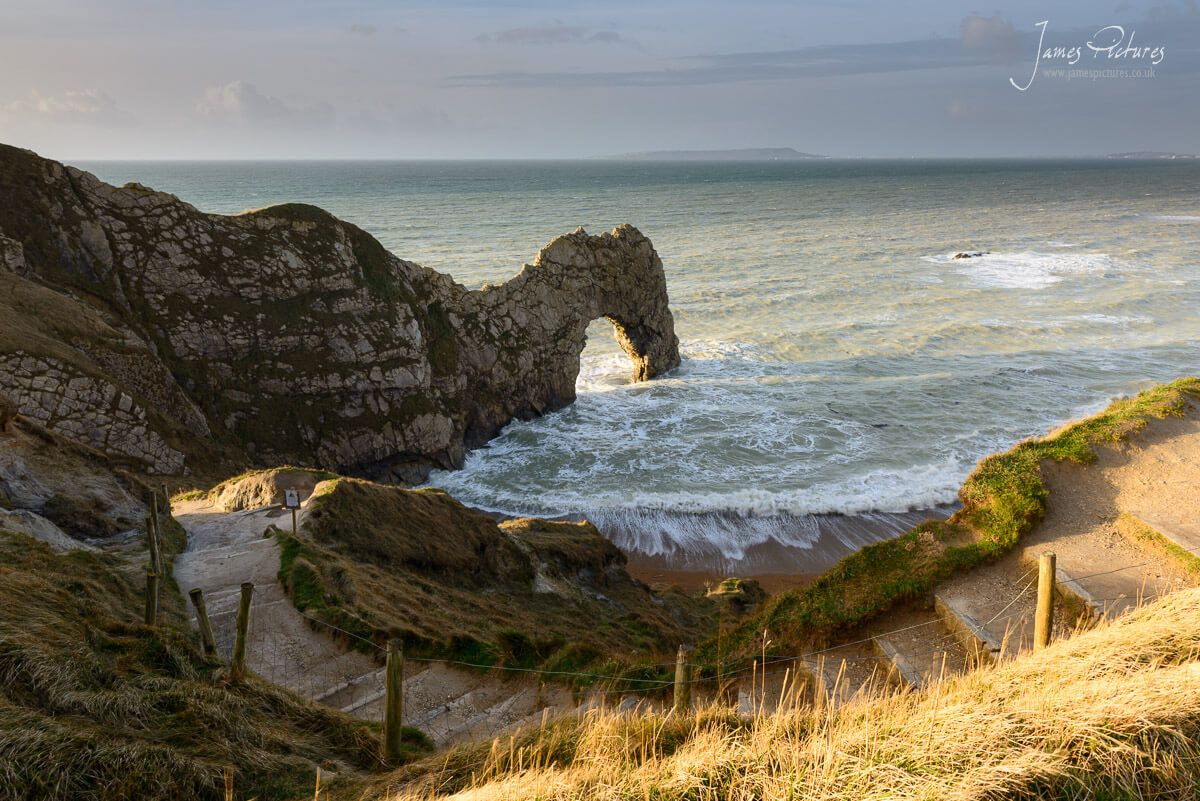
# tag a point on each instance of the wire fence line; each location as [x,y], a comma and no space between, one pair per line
[275,658]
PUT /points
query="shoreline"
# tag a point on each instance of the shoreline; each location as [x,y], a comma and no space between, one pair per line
[806,545]
[776,564]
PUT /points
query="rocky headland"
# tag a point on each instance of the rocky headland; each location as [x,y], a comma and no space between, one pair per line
[192,343]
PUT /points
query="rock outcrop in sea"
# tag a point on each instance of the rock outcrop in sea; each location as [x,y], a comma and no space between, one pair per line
[137,325]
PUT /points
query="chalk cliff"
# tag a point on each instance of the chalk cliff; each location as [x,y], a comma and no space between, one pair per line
[190,342]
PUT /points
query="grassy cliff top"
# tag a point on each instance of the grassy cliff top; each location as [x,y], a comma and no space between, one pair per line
[1110,714]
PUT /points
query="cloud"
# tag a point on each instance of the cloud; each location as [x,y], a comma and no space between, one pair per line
[984,41]
[551,35]
[809,62]
[86,106]
[242,102]
[364,30]
[993,37]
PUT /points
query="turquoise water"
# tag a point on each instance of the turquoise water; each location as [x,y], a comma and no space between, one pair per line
[836,358]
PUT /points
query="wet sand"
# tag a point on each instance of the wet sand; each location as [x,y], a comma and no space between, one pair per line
[777,566]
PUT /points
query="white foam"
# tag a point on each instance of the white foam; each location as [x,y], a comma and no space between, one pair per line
[1176,217]
[1028,269]
[1111,319]
[713,457]
[736,447]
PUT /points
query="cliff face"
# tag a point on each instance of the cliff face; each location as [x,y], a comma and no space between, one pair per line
[143,327]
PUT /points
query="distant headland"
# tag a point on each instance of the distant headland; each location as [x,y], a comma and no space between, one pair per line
[1149,154]
[742,154]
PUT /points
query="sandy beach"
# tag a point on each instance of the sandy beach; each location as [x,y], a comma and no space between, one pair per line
[774,564]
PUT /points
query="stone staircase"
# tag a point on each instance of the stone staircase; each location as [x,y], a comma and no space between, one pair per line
[986,616]
[450,704]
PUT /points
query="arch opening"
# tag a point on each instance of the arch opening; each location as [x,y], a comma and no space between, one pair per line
[604,362]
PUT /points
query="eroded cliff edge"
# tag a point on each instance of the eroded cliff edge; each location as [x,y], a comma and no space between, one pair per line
[191,342]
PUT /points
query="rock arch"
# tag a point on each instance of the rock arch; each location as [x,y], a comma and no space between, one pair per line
[544,312]
[287,336]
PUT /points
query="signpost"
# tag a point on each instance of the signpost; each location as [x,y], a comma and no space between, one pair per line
[291,500]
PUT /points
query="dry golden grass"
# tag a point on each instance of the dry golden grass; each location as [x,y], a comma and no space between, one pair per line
[1110,714]
[95,706]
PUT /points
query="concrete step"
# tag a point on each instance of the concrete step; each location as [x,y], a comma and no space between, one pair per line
[359,703]
[230,551]
[450,714]
[839,674]
[353,693]
[982,646]
[537,718]
[902,666]
[227,607]
[1068,586]
[922,652]
[824,675]
[491,721]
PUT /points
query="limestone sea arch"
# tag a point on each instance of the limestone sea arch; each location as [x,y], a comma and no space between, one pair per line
[138,325]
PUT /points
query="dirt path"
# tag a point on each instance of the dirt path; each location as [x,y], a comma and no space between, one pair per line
[1153,477]
[449,704]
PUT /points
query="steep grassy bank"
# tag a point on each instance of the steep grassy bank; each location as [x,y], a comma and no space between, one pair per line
[1110,714]
[1002,500]
[95,705]
[379,561]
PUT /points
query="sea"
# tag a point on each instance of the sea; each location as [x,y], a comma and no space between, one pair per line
[842,372]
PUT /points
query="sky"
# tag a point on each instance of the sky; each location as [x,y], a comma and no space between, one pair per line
[165,79]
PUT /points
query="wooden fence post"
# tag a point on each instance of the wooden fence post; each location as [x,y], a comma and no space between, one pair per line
[683,679]
[152,541]
[151,598]
[237,665]
[207,640]
[166,500]
[154,510]
[393,716]
[1043,624]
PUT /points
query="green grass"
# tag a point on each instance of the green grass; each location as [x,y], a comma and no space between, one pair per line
[1002,501]
[1005,496]
[314,597]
